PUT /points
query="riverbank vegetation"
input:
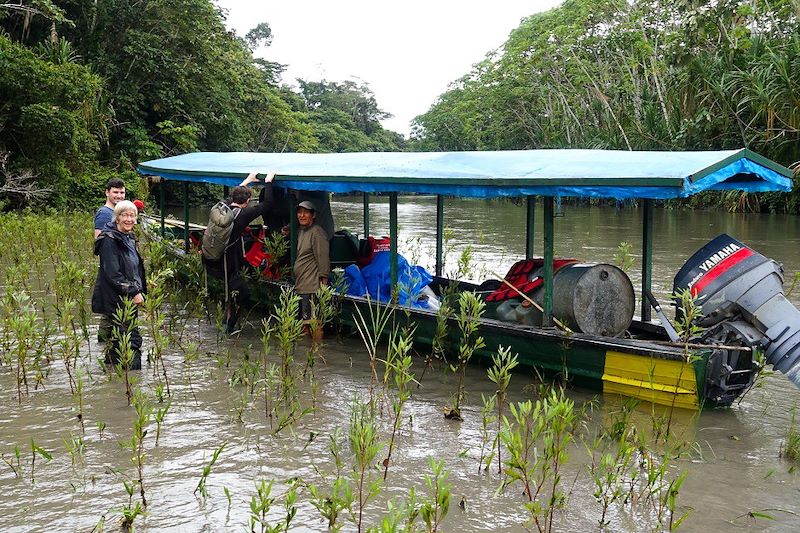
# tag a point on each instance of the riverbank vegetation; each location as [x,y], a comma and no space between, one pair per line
[639,75]
[90,89]
[376,434]
[245,431]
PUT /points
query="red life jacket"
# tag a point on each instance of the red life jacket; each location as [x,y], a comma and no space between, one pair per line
[520,275]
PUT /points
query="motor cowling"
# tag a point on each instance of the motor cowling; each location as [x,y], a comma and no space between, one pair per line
[740,294]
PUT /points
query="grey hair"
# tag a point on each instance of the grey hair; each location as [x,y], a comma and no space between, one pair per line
[122,207]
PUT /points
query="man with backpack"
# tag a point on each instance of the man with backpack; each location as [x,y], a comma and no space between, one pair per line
[223,245]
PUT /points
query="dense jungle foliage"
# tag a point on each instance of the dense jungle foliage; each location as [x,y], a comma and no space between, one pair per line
[88,89]
[638,74]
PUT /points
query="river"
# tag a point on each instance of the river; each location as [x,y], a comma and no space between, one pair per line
[735,477]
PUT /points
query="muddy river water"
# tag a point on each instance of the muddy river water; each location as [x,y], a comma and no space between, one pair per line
[736,479]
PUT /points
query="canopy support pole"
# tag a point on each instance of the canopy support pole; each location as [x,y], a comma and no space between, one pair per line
[293,229]
[393,239]
[530,208]
[186,215]
[647,256]
[161,202]
[439,233]
[549,222]
[366,215]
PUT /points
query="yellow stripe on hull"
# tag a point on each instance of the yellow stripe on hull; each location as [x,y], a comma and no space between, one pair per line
[660,381]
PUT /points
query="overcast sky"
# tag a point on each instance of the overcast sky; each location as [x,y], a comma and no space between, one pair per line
[406,51]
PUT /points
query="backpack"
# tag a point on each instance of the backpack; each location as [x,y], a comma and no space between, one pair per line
[218,231]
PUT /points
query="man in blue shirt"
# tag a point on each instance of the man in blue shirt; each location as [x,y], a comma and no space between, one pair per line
[115,192]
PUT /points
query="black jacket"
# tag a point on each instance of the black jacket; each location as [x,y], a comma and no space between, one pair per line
[116,277]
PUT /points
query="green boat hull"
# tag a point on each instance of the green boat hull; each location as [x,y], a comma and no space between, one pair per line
[643,369]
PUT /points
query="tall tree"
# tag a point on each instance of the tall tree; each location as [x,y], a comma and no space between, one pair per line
[347,117]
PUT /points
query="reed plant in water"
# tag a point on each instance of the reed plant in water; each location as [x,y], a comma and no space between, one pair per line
[76,448]
[687,317]
[537,438]
[338,497]
[191,353]
[371,332]
[261,503]
[229,497]
[364,442]
[159,416]
[623,258]
[131,511]
[464,268]
[144,411]
[41,452]
[69,286]
[9,461]
[288,330]
[240,405]
[632,471]
[153,311]
[791,444]
[439,343]
[500,374]
[201,484]
[125,320]
[217,315]
[69,343]
[489,441]
[613,461]
[277,246]
[471,308]
[323,310]
[43,351]
[269,370]
[78,397]
[399,360]
[22,323]
[436,505]
[400,516]
[6,314]
[247,373]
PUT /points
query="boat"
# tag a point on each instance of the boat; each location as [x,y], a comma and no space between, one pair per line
[744,318]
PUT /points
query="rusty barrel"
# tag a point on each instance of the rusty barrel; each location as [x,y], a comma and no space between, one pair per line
[594,298]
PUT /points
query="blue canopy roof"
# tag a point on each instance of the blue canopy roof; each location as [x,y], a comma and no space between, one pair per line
[567,172]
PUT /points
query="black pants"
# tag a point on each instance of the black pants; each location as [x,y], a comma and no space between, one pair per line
[238,295]
[114,350]
[307,304]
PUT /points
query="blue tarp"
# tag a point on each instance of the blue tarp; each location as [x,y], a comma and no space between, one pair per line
[373,280]
[568,172]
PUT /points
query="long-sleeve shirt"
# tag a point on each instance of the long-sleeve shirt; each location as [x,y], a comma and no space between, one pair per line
[313,259]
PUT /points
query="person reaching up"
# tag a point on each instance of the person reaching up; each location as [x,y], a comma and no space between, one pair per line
[227,266]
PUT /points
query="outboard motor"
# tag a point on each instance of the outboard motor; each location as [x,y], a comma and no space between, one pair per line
[740,294]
